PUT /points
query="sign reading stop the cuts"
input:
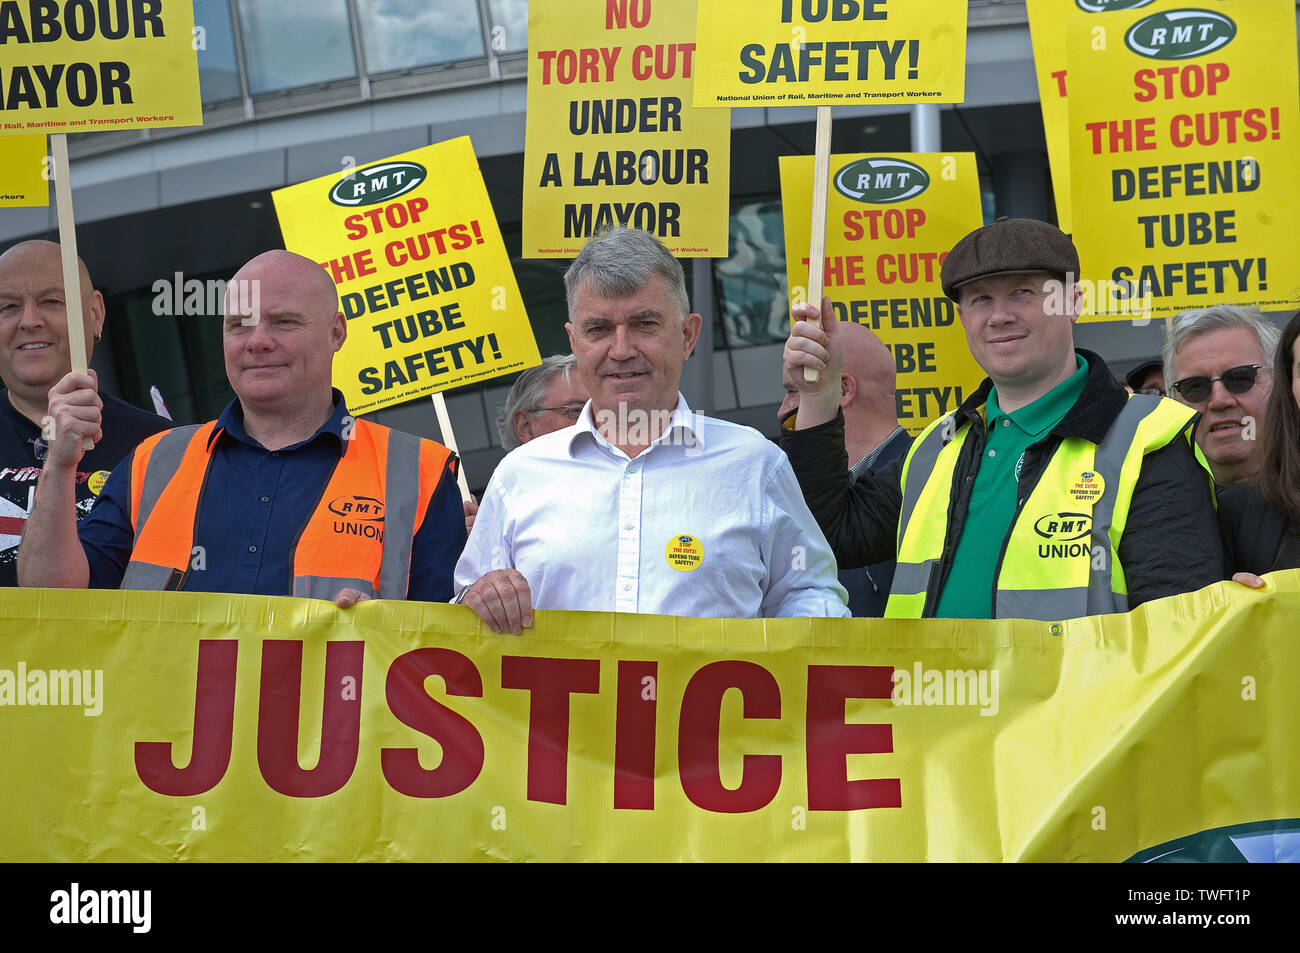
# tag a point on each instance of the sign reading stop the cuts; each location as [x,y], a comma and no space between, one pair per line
[1047,30]
[424,279]
[891,220]
[1183,126]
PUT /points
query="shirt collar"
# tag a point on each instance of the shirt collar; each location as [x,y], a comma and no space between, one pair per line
[1038,417]
[231,424]
[869,460]
[683,419]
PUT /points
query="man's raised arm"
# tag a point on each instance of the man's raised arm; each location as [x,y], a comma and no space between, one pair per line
[51,555]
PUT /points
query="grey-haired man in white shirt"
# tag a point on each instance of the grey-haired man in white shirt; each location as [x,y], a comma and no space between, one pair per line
[642,505]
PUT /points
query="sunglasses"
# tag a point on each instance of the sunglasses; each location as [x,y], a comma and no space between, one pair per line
[1236,380]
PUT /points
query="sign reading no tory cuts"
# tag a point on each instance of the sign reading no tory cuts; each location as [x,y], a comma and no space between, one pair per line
[891,220]
[423,277]
[830,52]
[1183,125]
[92,65]
[612,137]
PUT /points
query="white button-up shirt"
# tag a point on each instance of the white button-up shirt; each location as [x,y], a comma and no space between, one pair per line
[708,521]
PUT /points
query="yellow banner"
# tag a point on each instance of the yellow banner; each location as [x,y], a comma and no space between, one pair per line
[22,172]
[424,278]
[79,66]
[1183,126]
[830,52]
[154,726]
[890,222]
[612,137]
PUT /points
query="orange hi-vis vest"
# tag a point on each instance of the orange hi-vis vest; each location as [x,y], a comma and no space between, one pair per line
[359,535]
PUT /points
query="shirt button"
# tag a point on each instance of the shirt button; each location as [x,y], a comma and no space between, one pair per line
[252,549]
[1006,421]
[627,586]
[627,526]
[275,453]
[266,499]
[993,453]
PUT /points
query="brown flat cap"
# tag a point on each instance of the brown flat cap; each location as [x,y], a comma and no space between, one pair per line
[1010,246]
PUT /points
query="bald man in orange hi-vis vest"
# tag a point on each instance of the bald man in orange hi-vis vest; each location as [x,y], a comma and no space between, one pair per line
[284,494]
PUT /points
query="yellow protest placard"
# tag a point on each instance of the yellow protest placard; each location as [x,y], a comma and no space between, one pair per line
[23,179]
[1047,31]
[1182,130]
[891,220]
[80,66]
[163,726]
[830,52]
[612,137]
[423,276]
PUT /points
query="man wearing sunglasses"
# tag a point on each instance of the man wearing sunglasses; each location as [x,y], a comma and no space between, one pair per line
[1217,360]
[1050,493]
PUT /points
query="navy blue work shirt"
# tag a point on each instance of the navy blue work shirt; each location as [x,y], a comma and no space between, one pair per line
[254,505]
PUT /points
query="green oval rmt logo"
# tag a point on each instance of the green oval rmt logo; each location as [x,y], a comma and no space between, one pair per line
[881,181]
[1105,6]
[377,183]
[1180,34]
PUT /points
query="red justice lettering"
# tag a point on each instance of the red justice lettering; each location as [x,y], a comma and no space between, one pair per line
[462,745]
[830,740]
[214,720]
[550,682]
[277,722]
[697,738]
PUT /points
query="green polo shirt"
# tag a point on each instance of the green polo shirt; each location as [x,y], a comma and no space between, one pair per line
[968,591]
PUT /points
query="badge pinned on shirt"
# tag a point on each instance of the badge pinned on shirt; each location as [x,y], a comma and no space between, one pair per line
[684,553]
[1087,488]
[96,481]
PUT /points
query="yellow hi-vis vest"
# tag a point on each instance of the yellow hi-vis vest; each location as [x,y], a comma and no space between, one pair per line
[1060,557]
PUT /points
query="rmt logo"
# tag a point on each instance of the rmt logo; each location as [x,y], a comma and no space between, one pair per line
[377,183]
[364,508]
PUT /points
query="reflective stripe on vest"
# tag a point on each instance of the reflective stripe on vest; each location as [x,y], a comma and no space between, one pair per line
[359,535]
[1061,558]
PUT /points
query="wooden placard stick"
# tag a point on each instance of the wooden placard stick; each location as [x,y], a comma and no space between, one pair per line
[68,250]
[449,441]
[817,247]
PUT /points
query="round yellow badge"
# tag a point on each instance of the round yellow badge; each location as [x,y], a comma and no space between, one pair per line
[96,481]
[684,553]
[1087,488]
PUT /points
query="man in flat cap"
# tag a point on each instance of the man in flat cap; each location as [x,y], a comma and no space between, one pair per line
[1050,493]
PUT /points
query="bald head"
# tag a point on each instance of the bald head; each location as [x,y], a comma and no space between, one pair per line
[867,391]
[41,257]
[868,360]
[311,284]
[282,328]
[34,349]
